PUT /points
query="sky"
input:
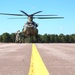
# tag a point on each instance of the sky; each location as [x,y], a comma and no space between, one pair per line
[64,8]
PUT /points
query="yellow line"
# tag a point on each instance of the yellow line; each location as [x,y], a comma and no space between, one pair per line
[37,67]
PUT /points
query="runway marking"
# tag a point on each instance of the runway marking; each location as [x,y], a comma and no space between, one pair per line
[37,67]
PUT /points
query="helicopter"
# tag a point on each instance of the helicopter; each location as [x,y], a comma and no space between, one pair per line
[30,27]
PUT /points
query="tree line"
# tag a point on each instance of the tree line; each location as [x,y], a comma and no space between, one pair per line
[46,38]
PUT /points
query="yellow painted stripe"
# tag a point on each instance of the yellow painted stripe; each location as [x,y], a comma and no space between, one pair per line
[37,67]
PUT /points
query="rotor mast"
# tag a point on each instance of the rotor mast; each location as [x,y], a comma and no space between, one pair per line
[30,19]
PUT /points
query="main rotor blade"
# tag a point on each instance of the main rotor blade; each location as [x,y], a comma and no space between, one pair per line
[48,17]
[18,18]
[24,13]
[36,13]
[39,18]
[12,14]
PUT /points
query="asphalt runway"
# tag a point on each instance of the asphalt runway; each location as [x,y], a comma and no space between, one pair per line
[58,58]
[15,59]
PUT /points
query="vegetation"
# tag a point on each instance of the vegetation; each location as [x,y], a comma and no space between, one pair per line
[6,37]
[46,38]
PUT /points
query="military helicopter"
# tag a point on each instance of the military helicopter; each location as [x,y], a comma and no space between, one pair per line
[30,27]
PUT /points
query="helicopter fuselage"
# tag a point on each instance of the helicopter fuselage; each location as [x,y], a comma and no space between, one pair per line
[30,29]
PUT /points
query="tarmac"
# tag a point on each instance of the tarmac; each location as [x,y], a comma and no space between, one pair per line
[58,58]
[15,59]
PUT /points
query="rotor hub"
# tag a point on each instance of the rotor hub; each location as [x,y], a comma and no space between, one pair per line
[30,18]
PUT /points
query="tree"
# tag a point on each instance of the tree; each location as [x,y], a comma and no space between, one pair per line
[73,38]
[67,39]
[6,37]
[56,39]
[45,38]
[0,38]
[52,38]
[13,36]
[62,38]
